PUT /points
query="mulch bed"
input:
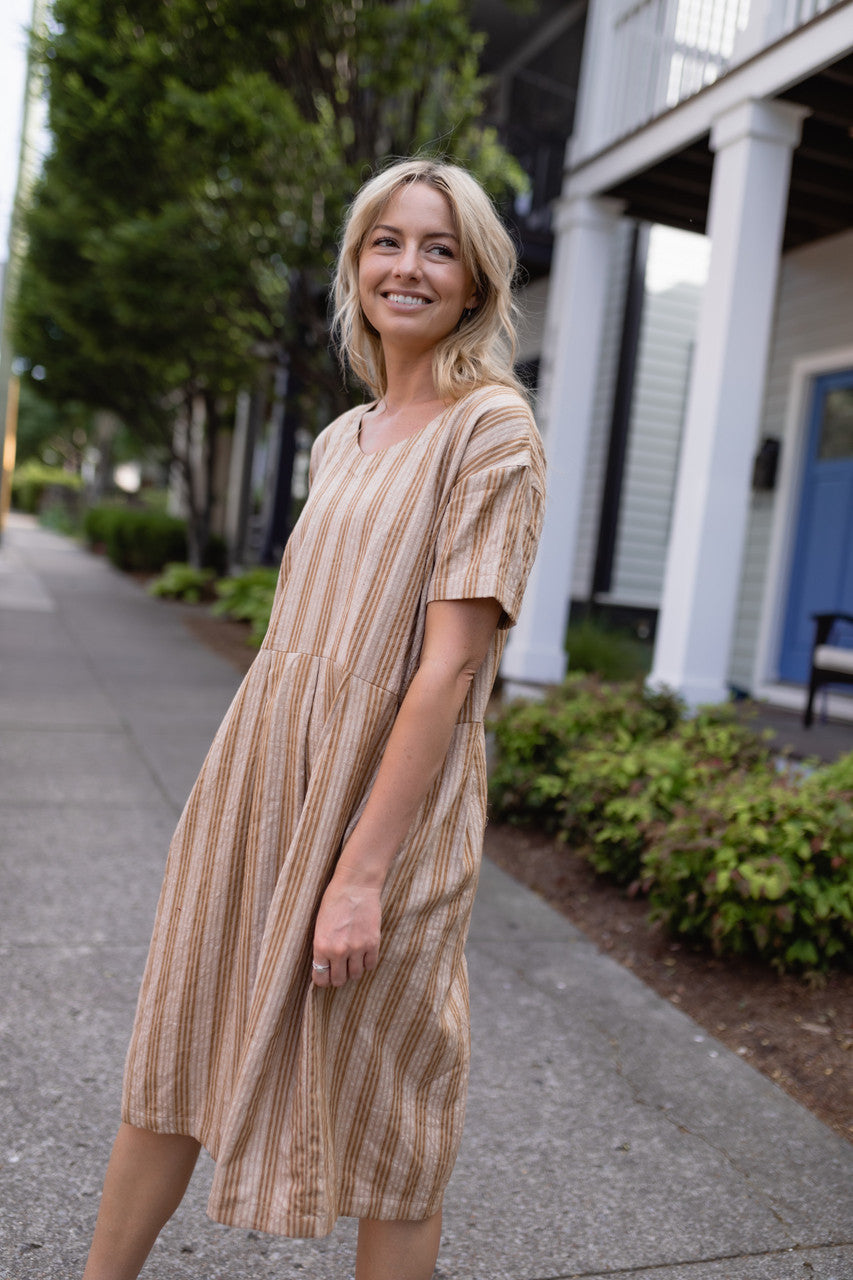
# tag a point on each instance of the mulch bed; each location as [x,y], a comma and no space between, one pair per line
[798,1034]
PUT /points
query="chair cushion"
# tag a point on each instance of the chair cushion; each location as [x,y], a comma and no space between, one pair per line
[831,657]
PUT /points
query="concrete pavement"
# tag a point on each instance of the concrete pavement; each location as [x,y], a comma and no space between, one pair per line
[607,1135]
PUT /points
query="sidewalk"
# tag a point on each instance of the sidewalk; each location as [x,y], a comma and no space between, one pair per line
[607,1135]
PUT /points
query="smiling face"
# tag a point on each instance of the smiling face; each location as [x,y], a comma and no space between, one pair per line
[413,285]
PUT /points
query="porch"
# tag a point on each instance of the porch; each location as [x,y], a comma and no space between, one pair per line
[826,739]
[733,119]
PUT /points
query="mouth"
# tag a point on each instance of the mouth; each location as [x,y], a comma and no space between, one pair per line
[407,299]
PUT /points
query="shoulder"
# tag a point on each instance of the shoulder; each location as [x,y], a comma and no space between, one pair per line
[336,430]
[496,429]
[338,426]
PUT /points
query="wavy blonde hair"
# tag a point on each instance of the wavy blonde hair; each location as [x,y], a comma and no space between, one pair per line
[481,349]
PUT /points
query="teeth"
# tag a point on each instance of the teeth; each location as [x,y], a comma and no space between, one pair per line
[407,300]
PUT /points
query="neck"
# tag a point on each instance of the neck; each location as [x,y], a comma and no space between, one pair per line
[409,382]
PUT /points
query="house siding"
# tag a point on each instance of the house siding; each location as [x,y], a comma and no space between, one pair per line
[814,314]
[666,344]
[599,436]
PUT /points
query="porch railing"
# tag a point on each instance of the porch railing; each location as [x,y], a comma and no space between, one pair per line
[649,55]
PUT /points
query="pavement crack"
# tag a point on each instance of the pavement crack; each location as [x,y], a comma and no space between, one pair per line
[678,1123]
[647,1267]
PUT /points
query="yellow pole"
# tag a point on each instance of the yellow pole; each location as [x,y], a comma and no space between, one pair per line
[9,448]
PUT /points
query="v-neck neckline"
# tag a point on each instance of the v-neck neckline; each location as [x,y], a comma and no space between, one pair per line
[397,444]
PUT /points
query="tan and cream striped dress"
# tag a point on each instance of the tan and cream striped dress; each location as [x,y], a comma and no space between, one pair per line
[318,1102]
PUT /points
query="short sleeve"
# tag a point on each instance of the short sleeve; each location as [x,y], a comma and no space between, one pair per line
[488,537]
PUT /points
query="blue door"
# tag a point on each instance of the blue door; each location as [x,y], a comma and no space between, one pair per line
[822,570]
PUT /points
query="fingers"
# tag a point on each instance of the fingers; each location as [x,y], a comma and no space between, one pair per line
[335,971]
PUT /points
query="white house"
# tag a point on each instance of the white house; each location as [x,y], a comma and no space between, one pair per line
[735,118]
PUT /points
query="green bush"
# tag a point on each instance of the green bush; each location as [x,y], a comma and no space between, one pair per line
[143,541]
[32,480]
[248,597]
[597,649]
[181,581]
[538,743]
[97,522]
[615,799]
[761,866]
[734,847]
[598,764]
[136,540]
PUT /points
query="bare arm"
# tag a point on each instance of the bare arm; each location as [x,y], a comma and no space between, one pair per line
[456,639]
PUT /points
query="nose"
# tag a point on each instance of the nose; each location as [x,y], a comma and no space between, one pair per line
[408,262]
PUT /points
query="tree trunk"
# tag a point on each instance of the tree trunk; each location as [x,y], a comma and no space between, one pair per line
[193,469]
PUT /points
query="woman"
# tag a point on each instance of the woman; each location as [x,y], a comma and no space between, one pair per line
[304,1009]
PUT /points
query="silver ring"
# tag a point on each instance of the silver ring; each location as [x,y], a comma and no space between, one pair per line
[319,968]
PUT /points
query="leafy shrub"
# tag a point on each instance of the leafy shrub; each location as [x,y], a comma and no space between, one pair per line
[604,651]
[136,540]
[762,866]
[734,849]
[538,743]
[97,522]
[620,797]
[181,581]
[32,480]
[141,540]
[248,597]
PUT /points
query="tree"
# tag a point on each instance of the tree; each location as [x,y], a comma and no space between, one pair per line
[182,233]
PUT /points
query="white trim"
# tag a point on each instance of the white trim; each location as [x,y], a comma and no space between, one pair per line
[824,41]
[794,697]
[785,516]
[620,600]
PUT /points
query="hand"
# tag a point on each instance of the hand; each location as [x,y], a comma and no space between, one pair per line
[346,935]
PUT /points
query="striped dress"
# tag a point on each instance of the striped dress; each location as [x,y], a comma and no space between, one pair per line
[320,1102]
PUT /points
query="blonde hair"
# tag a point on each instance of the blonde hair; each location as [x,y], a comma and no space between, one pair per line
[481,349]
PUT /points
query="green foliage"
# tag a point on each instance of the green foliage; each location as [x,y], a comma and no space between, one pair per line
[97,523]
[142,541]
[736,849]
[538,742]
[249,598]
[135,540]
[33,480]
[617,793]
[181,232]
[56,435]
[181,581]
[598,763]
[761,866]
[606,652]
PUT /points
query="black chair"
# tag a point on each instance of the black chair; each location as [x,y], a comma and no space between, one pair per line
[831,663]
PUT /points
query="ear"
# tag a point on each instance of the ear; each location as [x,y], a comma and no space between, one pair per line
[472,302]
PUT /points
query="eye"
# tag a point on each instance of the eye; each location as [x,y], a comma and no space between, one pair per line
[384,242]
[443,250]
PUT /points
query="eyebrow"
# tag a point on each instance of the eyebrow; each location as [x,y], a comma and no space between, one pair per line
[429,235]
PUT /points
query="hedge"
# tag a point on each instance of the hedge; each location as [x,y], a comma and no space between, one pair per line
[32,480]
[762,866]
[144,541]
[736,848]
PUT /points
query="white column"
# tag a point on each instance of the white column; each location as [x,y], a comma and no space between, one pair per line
[753,143]
[568,376]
